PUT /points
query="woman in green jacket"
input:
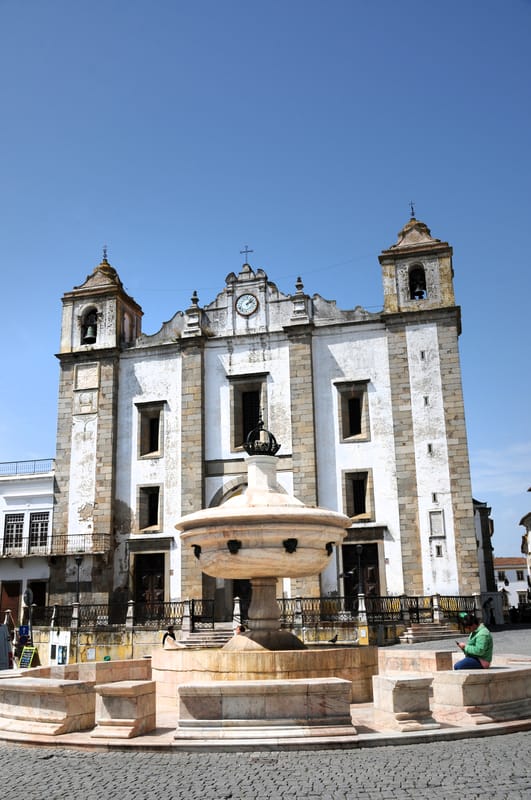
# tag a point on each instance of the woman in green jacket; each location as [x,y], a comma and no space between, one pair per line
[478,647]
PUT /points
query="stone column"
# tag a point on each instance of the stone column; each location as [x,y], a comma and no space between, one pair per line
[303,433]
[192,454]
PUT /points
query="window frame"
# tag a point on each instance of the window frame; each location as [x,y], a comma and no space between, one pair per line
[349,500]
[347,391]
[145,517]
[147,412]
[240,385]
[41,534]
[13,541]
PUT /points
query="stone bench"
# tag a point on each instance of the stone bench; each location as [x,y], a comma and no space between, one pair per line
[403,702]
[230,709]
[46,706]
[124,709]
[394,660]
[479,696]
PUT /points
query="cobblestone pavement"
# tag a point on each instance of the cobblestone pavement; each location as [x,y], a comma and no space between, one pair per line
[495,767]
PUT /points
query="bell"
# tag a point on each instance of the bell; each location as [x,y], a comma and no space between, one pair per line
[90,335]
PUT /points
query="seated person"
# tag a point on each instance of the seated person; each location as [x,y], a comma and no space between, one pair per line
[478,647]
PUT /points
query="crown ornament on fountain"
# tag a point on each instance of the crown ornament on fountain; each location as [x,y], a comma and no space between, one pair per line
[261,442]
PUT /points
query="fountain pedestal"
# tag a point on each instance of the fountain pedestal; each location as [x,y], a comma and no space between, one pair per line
[261,535]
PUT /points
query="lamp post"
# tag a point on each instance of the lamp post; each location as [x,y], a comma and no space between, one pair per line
[78,560]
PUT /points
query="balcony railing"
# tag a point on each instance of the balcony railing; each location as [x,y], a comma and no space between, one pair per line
[70,544]
[27,467]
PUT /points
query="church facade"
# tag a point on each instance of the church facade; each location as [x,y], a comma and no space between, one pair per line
[367,407]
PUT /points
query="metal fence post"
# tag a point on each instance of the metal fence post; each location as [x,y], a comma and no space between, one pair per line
[297,616]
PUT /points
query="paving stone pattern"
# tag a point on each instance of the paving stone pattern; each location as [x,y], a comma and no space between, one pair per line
[492,767]
[496,767]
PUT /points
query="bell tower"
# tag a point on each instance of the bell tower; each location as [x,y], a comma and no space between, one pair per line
[99,321]
[417,271]
[423,324]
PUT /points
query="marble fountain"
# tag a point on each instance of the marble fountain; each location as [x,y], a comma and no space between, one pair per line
[265,682]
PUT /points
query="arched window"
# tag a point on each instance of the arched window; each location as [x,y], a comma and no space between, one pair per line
[417,283]
[89,327]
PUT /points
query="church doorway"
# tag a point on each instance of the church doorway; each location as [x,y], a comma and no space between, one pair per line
[360,570]
[148,585]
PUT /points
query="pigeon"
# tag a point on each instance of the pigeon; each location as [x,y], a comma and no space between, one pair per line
[333,640]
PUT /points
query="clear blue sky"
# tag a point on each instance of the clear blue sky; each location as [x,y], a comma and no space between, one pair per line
[176,132]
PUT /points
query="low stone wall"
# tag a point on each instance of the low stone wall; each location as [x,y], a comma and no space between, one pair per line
[403,703]
[395,660]
[125,709]
[171,668]
[475,697]
[95,645]
[232,709]
[95,672]
[46,706]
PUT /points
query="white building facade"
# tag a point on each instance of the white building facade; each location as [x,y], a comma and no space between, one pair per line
[367,407]
[26,517]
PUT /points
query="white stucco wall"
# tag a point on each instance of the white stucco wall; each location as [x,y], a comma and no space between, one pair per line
[432,468]
[358,354]
[151,377]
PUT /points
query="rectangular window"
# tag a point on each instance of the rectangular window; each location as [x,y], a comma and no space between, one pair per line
[38,532]
[437,524]
[149,508]
[353,411]
[248,404]
[13,528]
[522,598]
[150,417]
[501,575]
[519,575]
[358,495]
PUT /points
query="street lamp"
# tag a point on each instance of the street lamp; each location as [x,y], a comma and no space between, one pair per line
[359,551]
[78,560]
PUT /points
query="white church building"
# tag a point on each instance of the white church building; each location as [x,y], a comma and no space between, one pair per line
[367,407]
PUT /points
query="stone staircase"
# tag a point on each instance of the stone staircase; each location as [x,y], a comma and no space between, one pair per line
[428,632]
[208,637]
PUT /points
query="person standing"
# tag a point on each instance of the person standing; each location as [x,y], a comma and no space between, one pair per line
[478,648]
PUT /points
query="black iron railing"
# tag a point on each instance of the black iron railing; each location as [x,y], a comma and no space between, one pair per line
[305,611]
[79,543]
[202,614]
[159,614]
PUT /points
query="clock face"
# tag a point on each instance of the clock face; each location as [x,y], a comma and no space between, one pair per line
[246,304]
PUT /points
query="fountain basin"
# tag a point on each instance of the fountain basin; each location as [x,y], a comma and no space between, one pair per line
[256,542]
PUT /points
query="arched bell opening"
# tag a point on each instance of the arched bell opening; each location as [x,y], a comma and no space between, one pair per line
[89,327]
[417,283]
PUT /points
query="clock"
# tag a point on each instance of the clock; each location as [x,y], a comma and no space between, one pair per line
[246,304]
